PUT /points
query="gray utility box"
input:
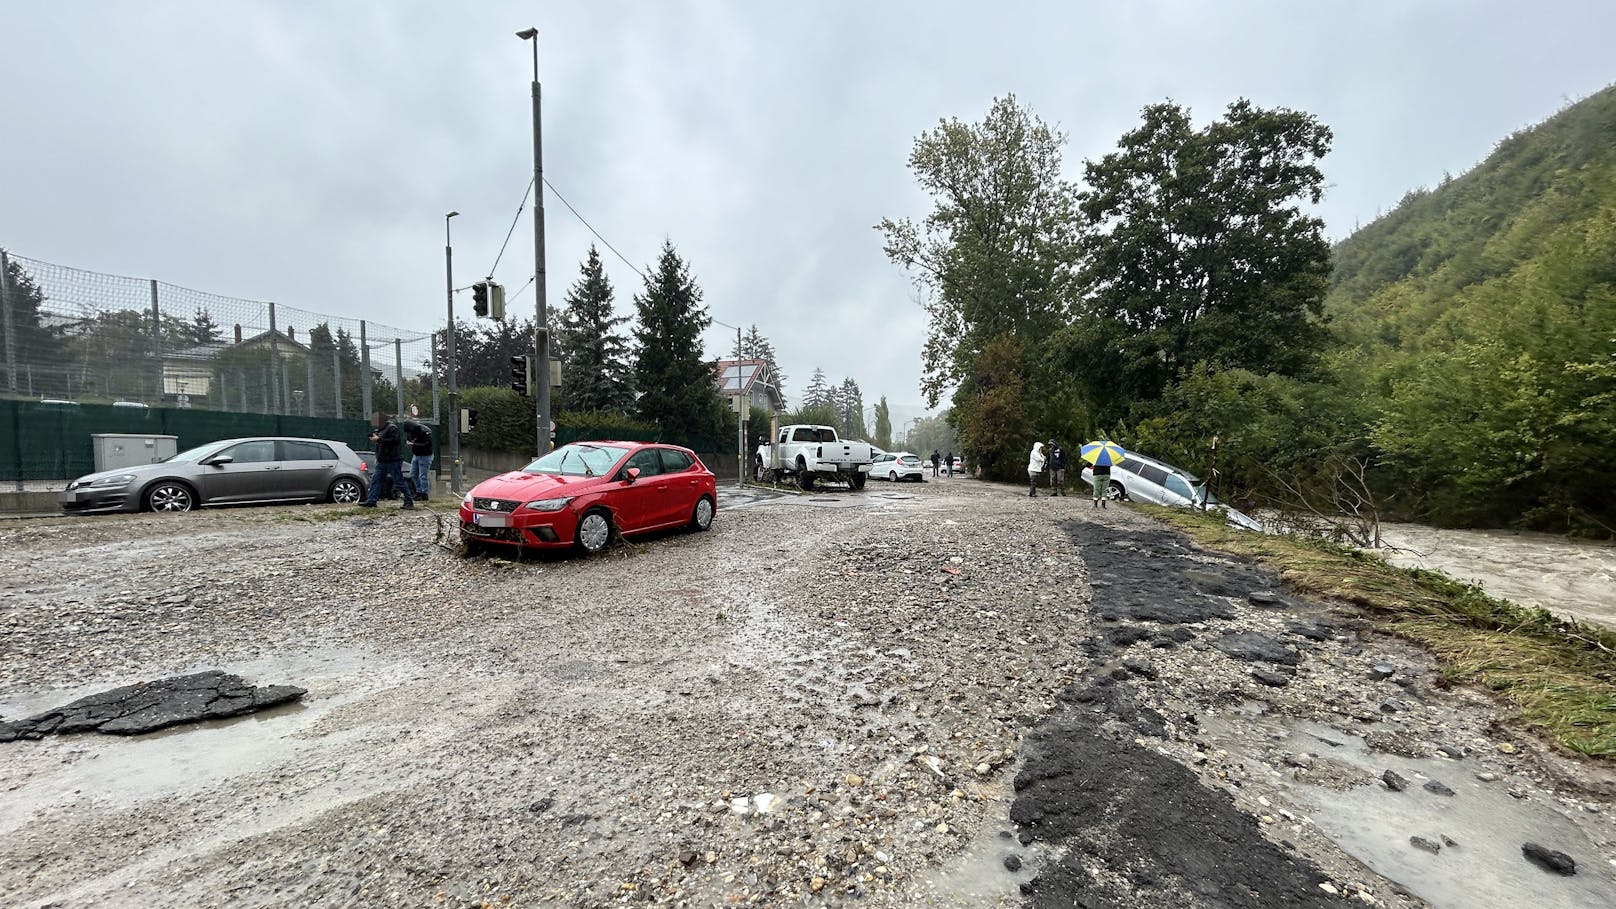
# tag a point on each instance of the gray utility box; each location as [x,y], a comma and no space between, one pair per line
[115,449]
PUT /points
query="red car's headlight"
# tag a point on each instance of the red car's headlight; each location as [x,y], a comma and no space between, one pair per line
[548,504]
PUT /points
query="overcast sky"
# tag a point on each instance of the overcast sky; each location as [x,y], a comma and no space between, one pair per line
[306,152]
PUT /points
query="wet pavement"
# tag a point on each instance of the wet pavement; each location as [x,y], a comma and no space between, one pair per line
[868,679]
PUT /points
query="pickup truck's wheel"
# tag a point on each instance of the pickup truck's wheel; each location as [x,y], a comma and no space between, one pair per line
[805,481]
[857,480]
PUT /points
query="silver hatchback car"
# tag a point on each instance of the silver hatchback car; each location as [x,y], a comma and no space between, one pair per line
[228,472]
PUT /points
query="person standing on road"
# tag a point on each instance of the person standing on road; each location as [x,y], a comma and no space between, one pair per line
[1035,466]
[950,461]
[419,436]
[1057,469]
[1102,484]
[389,442]
[936,458]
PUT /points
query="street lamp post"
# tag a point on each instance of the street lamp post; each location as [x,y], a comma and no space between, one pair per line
[541,327]
[449,358]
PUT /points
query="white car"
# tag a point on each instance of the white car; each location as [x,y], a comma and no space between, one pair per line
[1145,479]
[898,465]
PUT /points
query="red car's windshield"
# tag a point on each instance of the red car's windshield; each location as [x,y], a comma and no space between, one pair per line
[580,459]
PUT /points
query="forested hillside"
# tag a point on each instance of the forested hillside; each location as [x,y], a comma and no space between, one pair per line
[1478,321]
[1452,362]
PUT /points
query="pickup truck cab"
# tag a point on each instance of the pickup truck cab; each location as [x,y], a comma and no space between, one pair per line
[805,454]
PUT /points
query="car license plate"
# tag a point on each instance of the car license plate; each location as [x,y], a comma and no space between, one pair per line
[490,520]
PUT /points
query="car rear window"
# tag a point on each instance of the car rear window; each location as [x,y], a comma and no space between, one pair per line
[1153,473]
[307,451]
[674,461]
[910,460]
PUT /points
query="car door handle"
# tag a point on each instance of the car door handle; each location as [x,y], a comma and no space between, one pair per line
[272,467]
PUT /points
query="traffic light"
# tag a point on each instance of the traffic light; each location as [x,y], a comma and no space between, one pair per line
[496,301]
[479,299]
[520,374]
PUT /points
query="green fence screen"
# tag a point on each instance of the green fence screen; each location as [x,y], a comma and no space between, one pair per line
[40,441]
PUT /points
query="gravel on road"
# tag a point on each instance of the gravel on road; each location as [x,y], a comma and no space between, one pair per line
[827,699]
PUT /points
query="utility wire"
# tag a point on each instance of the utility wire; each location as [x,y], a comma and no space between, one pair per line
[525,193]
[592,229]
[609,245]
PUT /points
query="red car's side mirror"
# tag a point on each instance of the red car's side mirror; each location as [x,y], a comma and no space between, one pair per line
[632,474]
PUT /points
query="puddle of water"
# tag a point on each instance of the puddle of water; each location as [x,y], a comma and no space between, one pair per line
[977,876]
[1484,870]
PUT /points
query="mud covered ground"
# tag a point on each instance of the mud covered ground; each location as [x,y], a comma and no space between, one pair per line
[891,698]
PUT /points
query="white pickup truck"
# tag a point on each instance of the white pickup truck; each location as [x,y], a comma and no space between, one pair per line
[806,453]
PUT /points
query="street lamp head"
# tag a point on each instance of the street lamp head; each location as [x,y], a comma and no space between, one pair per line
[527,34]
[450,215]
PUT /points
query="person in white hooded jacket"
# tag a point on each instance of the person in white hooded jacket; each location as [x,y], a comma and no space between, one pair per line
[1035,466]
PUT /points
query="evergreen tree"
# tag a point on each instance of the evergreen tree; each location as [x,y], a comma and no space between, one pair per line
[596,373]
[676,385]
[203,329]
[852,410]
[754,346]
[883,424]
[818,392]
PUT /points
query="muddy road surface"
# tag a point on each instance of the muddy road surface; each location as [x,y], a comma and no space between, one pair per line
[937,695]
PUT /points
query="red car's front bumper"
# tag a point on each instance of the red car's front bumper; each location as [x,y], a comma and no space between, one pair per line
[532,529]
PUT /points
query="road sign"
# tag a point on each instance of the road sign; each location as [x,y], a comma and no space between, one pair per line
[552,427]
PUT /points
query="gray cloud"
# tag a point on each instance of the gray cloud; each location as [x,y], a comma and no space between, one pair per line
[306,152]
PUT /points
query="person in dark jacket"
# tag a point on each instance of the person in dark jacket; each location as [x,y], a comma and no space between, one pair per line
[419,437]
[389,442]
[936,458]
[1057,469]
[949,460]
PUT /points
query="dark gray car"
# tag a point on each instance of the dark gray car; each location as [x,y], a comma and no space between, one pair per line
[228,472]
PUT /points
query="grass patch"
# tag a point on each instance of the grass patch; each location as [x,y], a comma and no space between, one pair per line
[1560,673]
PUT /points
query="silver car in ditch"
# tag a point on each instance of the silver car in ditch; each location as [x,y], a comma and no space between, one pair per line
[269,469]
[1145,479]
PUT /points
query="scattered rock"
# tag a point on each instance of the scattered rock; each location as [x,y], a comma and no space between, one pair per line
[1266,599]
[1394,781]
[1550,859]
[1506,748]
[1420,842]
[1313,631]
[1140,667]
[1380,672]
[1254,646]
[1487,776]
[1451,751]
[1449,841]
[1437,787]
[1012,863]
[1269,677]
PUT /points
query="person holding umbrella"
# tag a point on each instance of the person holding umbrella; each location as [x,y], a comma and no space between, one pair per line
[1101,455]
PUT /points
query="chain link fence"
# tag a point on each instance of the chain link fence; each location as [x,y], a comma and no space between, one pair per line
[91,338]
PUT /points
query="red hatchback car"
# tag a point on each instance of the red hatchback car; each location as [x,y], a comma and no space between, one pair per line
[579,493]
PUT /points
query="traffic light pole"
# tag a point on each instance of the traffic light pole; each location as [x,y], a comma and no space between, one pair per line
[542,326]
[449,358]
